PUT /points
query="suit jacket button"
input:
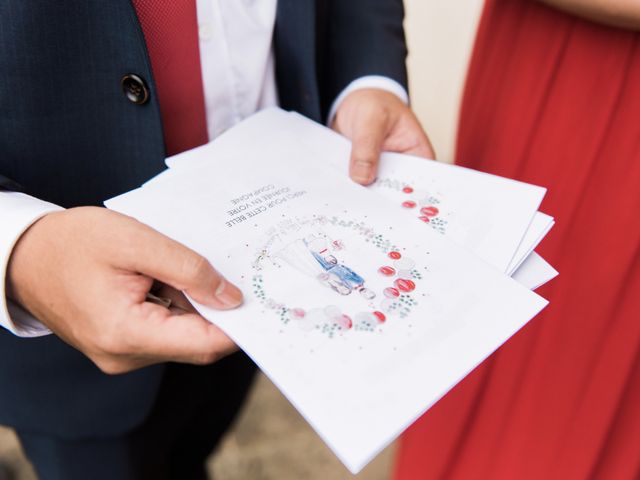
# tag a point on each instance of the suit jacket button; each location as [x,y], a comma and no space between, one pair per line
[135,89]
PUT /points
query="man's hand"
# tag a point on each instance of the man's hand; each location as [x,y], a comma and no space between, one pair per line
[376,120]
[86,272]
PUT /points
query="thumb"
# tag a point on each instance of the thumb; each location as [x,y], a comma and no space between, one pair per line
[367,139]
[170,262]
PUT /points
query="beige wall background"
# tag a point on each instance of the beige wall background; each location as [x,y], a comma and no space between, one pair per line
[440,34]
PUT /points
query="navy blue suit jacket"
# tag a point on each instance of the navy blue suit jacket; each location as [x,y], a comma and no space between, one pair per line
[68,135]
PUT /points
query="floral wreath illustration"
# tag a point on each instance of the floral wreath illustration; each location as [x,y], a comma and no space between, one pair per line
[318,256]
[427,205]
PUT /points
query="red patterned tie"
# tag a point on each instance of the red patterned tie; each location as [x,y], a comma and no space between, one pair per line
[171,31]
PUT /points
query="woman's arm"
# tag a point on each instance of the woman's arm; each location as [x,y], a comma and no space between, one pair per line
[617,13]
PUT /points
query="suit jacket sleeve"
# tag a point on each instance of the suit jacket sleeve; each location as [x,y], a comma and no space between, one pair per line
[365,37]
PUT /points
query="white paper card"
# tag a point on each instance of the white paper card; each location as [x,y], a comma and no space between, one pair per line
[362,319]
[534,272]
[539,228]
[485,213]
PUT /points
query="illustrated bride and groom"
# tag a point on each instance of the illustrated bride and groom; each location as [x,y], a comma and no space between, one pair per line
[315,256]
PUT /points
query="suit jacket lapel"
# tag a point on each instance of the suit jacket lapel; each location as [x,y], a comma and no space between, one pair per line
[295,53]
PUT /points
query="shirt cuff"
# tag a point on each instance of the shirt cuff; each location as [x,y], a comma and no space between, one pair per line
[370,81]
[18,212]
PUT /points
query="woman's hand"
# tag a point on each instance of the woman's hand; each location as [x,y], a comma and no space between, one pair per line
[616,13]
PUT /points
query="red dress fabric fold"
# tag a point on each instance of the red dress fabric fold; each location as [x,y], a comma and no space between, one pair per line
[553,100]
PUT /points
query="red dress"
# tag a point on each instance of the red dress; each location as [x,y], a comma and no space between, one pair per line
[553,100]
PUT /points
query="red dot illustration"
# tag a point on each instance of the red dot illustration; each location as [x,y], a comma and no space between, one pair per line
[430,211]
[391,292]
[407,189]
[425,219]
[395,255]
[387,271]
[380,316]
[297,313]
[405,285]
[409,204]
[345,321]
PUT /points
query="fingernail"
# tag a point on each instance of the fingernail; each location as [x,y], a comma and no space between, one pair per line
[361,173]
[228,294]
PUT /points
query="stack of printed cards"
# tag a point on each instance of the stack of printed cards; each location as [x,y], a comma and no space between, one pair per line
[495,217]
[362,315]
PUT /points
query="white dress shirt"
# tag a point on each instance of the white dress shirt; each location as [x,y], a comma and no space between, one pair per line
[238,75]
